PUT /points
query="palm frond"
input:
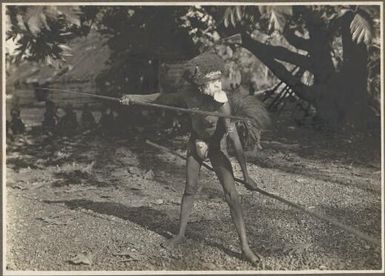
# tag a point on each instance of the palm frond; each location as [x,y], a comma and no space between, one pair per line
[71,13]
[35,19]
[361,29]
[278,16]
[234,15]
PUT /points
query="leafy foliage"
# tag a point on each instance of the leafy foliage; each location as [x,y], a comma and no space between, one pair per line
[330,42]
[201,26]
[275,16]
[361,28]
[141,38]
[41,32]
[279,16]
[144,36]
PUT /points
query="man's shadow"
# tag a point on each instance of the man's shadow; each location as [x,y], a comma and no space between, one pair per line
[149,218]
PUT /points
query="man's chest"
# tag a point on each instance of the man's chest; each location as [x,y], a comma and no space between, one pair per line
[205,126]
[205,103]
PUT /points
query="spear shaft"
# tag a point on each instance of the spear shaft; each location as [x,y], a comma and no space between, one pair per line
[153,105]
[191,111]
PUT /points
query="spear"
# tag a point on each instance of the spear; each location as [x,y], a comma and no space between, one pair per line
[160,106]
[235,39]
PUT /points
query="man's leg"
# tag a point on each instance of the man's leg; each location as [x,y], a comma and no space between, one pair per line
[224,145]
[223,170]
[192,173]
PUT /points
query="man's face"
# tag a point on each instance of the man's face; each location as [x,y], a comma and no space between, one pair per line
[211,87]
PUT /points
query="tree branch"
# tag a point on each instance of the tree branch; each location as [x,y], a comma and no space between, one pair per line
[277,52]
[264,55]
[303,91]
[295,40]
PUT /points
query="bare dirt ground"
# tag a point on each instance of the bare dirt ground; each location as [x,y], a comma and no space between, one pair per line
[92,203]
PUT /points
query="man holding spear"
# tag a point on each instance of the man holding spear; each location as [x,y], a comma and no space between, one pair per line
[205,94]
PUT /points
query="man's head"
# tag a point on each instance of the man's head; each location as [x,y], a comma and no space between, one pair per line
[205,71]
[212,86]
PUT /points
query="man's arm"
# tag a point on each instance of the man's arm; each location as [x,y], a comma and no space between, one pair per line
[160,98]
[240,155]
[233,135]
[129,99]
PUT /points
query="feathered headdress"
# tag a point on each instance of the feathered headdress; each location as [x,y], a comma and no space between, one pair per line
[205,67]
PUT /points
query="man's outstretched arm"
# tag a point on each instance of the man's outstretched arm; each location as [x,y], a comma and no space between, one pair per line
[160,98]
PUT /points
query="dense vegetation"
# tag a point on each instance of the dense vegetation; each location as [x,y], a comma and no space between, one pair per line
[337,46]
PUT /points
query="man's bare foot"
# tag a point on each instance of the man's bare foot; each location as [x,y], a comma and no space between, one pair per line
[174,241]
[250,256]
[250,184]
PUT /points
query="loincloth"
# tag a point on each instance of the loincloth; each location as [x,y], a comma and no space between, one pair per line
[200,148]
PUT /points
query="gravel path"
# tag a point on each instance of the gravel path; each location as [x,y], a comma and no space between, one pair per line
[112,204]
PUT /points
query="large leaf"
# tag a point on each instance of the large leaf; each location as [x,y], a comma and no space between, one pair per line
[71,14]
[239,12]
[361,29]
[233,15]
[35,19]
[41,32]
[279,16]
[20,22]
[226,16]
[82,258]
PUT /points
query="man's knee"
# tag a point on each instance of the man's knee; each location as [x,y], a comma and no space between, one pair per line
[231,197]
[190,192]
[191,188]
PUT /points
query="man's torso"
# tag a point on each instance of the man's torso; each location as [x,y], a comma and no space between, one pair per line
[204,127]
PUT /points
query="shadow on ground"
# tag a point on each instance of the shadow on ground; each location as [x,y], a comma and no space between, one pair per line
[157,221]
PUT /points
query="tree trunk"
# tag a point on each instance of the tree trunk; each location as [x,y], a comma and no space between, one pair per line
[319,48]
[339,97]
[344,101]
[353,100]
